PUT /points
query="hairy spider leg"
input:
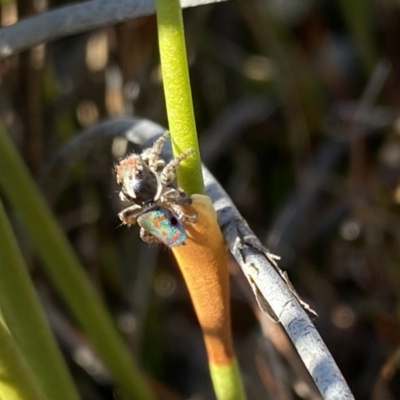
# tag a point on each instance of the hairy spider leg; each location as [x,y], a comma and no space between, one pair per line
[129,215]
[152,154]
[147,237]
[168,173]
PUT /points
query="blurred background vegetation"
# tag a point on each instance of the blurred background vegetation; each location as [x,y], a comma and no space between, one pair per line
[297,108]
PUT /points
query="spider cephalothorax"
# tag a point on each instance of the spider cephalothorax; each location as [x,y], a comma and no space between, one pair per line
[146,181]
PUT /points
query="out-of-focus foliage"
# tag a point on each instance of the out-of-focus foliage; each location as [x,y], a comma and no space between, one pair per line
[297,106]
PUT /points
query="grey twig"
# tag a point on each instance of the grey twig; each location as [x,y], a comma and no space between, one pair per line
[271,287]
[73,19]
[274,292]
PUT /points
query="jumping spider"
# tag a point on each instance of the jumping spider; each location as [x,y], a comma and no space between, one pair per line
[146,181]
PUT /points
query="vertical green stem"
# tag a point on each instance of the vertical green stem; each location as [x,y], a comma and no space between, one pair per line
[178,95]
[226,379]
[24,317]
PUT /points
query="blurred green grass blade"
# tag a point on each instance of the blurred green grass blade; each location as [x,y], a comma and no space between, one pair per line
[66,272]
[16,379]
[358,16]
[22,313]
[178,95]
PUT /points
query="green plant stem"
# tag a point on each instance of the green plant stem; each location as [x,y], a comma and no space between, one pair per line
[66,272]
[178,96]
[23,315]
[16,379]
[227,382]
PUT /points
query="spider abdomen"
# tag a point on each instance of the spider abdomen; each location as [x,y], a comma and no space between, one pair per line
[163,225]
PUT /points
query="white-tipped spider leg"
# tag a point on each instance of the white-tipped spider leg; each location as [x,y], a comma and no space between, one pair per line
[147,237]
[129,215]
[152,154]
[168,173]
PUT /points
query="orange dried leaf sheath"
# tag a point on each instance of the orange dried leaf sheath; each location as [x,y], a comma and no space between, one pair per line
[203,262]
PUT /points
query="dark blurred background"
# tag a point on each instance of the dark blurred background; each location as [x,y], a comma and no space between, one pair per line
[297,108]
